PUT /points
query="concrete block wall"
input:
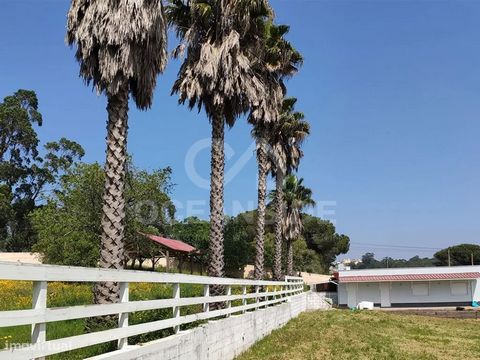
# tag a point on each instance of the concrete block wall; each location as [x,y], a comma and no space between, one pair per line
[221,339]
[318,301]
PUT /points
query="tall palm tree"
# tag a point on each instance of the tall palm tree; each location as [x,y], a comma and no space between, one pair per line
[285,140]
[220,38]
[279,61]
[121,48]
[297,197]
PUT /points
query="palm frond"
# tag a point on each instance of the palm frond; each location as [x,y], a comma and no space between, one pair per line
[118,43]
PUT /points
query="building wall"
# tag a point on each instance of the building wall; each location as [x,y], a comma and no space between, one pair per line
[321,300]
[401,293]
[438,292]
[368,292]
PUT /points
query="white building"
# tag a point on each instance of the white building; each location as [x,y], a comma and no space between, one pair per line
[410,287]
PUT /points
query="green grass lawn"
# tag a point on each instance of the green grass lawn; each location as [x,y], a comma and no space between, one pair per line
[343,334]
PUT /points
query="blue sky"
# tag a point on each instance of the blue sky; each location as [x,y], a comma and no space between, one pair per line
[391,89]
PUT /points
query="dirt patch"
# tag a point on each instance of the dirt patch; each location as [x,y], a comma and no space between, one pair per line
[449,314]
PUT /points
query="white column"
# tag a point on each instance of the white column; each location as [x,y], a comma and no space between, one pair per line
[476,290]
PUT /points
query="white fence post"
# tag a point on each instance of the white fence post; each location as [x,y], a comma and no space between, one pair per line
[229,302]
[123,317]
[176,309]
[206,293]
[244,299]
[39,331]
[257,291]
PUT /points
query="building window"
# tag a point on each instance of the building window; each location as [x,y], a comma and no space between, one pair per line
[419,288]
[459,287]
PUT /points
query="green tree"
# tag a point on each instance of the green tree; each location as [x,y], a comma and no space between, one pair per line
[69,225]
[307,256]
[193,231]
[25,173]
[239,244]
[221,39]
[121,49]
[321,236]
[239,235]
[459,255]
[369,262]
[280,60]
[306,259]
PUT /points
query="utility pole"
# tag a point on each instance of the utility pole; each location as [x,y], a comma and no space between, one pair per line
[449,263]
[472,258]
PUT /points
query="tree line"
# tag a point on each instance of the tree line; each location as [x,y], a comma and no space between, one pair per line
[462,254]
[62,221]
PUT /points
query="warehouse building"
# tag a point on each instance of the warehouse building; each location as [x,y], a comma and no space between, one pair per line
[410,287]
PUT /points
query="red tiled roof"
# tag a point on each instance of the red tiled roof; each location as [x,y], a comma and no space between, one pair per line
[176,245]
[409,277]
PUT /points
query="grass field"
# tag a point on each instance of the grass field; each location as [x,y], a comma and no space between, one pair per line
[343,334]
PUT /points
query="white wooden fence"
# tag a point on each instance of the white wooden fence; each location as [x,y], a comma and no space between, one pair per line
[264,293]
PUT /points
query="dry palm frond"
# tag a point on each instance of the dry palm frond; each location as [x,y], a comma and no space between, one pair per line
[219,38]
[119,42]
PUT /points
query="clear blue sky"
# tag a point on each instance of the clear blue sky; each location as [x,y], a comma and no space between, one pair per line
[391,89]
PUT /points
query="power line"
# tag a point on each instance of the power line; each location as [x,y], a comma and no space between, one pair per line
[387,246]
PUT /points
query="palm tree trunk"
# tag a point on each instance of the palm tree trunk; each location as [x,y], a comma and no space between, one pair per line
[277,259]
[262,193]
[216,264]
[290,258]
[113,211]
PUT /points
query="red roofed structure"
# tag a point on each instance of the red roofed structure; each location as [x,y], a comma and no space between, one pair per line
[173,251]
[175,245]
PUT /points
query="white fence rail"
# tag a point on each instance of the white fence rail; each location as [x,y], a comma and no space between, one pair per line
[263,293]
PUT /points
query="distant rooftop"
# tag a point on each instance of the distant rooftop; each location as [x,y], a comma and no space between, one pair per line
[410,274]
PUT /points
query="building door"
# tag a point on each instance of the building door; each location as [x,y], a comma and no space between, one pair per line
[352,295]
[385,295]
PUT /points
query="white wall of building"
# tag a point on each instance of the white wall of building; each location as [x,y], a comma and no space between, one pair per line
[396,293]
[411,292]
